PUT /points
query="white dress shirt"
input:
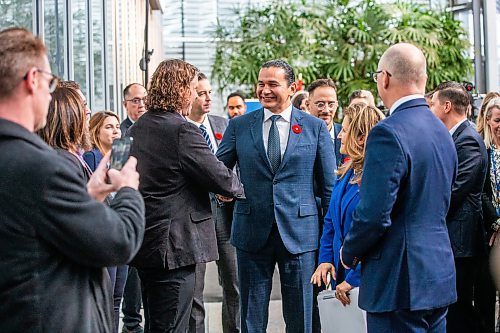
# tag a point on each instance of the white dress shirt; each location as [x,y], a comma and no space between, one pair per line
[454,128]
[403,100]
[210,132]
[283,124]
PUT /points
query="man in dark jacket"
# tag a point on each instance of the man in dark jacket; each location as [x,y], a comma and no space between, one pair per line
[55,237]
[450,102]
[178,170]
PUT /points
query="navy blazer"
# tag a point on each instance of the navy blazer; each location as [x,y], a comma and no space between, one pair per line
[338,219]
[93,158]
[465,214]
[286,198]
[399,228]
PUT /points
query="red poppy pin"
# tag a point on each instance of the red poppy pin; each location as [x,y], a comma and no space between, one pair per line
[218,136]
[296,129]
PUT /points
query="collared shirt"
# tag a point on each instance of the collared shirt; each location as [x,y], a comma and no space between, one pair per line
[332,134]
[283,124]
[454,128]
[210,132]
[404,100]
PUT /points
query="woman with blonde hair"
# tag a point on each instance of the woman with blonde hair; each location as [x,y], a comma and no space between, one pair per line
[480,117]
[104,129]
[358,121]
[489,129]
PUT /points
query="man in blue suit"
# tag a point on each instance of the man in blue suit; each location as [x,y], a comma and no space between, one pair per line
[280,152]
[399,227]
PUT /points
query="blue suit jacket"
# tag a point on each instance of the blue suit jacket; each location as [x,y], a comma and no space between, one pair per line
[286,197]
[399,229]
[345,198]
[93,158]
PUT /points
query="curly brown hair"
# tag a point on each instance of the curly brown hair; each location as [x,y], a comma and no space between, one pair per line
[169,89]
[66,121]
[362,118]
[96,123]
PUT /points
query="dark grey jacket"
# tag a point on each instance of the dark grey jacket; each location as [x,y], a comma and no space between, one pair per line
[177,170]
[55,240]
[464,219]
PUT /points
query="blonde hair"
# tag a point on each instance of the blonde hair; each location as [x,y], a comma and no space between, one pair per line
[487,135]
[362,118]
[96,123]
[169,89]
[480,117]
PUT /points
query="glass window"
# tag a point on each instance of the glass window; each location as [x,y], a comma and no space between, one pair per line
[16,13]
[98,100]
[54,23]
[80,51]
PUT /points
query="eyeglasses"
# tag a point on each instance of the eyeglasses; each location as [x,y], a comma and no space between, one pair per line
[322,105]
[136,100]
[54,80]
[375,74]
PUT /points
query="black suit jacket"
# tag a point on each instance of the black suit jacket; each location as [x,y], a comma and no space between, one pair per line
[465,213]
[55,240]
[177,170]
[125,125]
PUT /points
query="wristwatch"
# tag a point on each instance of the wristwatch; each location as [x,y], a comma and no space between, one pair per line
[496,225]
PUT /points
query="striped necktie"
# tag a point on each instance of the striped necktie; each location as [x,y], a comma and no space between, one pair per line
[204,132]
[273,144]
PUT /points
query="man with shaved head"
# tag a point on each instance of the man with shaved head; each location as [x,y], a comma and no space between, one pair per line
[399,230]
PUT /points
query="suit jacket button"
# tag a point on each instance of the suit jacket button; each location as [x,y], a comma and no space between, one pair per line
[275,182]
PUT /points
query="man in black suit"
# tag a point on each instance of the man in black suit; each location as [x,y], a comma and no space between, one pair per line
[133,101]
[212,128]
[178,170]
[450,103]
[134,98]
[55,235]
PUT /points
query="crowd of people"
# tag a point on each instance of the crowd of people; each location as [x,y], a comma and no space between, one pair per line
[404,206]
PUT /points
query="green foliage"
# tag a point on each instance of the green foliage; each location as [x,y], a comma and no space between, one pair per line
[339,40]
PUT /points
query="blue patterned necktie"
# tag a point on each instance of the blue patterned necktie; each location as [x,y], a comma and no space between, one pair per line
[204,132]
[273,145]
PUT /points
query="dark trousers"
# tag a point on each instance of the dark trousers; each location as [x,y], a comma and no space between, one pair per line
[168,298]
[227,268]
[485,296]
[404,321]
[463,315]
[255,272]
[118,276]
[132,299]
[197,318]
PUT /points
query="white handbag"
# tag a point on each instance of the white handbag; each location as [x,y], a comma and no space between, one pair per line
[337,318]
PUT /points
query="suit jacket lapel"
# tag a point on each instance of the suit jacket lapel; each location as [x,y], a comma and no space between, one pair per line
[256,129]
[215,128]
[293,137]
[460,129]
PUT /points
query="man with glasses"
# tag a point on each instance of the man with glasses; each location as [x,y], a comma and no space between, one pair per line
[399,227]
[134,96]
[133,101]
[56,235]
[322,103]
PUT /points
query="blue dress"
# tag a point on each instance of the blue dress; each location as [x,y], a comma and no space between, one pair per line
[338,219]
